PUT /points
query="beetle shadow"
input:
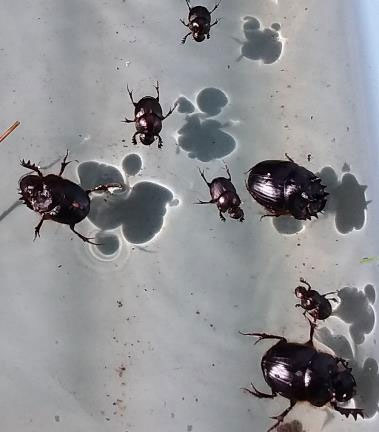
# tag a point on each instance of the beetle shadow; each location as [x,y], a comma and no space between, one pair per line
[287,224]
[294,426]
[347,200]
[365,374]
[138,209]
[261,43]
[202,137]
[356,309]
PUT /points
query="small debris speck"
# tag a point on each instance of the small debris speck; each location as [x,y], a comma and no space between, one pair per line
[57,418]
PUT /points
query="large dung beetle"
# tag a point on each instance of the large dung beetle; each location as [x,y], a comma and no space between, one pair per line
[199,22]
[284,187]
[316,305]
[57,198]
[300,372]
[224,194]
[148,117]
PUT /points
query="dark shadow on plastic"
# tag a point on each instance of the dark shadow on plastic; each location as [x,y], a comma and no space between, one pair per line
[355,308]
[185,106]
[94,173]
[347,200]
[287,224]
[132,164]
[109,243]
[204,138]
[139,210]
[366,374]
[261,44]
[9,210]
[294,426]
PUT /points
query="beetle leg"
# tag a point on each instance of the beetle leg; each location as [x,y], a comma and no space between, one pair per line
[280,417]
[38,227]
[185,37]
[302,280]
[182,21]
[130,94]
[344,363]
[127,121]
[216,22]
[170,111]
[228,172]
[64,164]
[289,158]
[312,331]
[216,6]
[134,140]
[157,89]
[355,412]
[160,142]
[206,202]
[262,336]
[221,216]
[189,4]
[259,394]
[203,176]
[31,166]
[84,238]
[104,187]
[268,215]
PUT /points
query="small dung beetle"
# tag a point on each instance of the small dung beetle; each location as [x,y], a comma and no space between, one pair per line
[299,372]
[199,22]
[148,117]
[223,193]
[284,187]
[316,305]
[57,198]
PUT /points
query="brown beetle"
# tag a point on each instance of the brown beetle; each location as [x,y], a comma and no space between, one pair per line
[148,117]
[316,305]
[224,194]
[57,198]
[199,22]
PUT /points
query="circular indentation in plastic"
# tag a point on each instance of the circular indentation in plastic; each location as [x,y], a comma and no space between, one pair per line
[109,243]
[211,101]
[132,164]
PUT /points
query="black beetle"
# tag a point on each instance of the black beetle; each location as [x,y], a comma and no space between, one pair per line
[57,198]
[148,117]
[314,304]
[224,194]
[300,372]
[199,22]
[284,187]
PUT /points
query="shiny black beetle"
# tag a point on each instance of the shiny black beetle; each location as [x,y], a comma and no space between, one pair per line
[57,198]
[316,305]
[148,117]
[199,22]
[284,187]
[299,372]
[224,194]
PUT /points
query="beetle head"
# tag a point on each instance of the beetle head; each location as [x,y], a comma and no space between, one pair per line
[236,213]
[146,138]
[35,194]
[344,385]
[301,292]
[310,200]
[199,37]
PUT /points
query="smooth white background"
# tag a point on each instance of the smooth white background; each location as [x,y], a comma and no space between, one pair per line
[63,74]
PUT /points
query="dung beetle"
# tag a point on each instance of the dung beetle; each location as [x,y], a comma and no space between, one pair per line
[224,194]
[57,198]
[148,117]
[284,187]
[199,22]
[300,372]
[314,304]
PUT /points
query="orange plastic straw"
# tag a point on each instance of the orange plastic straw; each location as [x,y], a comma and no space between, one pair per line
[9,130]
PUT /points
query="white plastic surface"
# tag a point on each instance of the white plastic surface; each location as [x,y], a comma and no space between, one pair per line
[146,337]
